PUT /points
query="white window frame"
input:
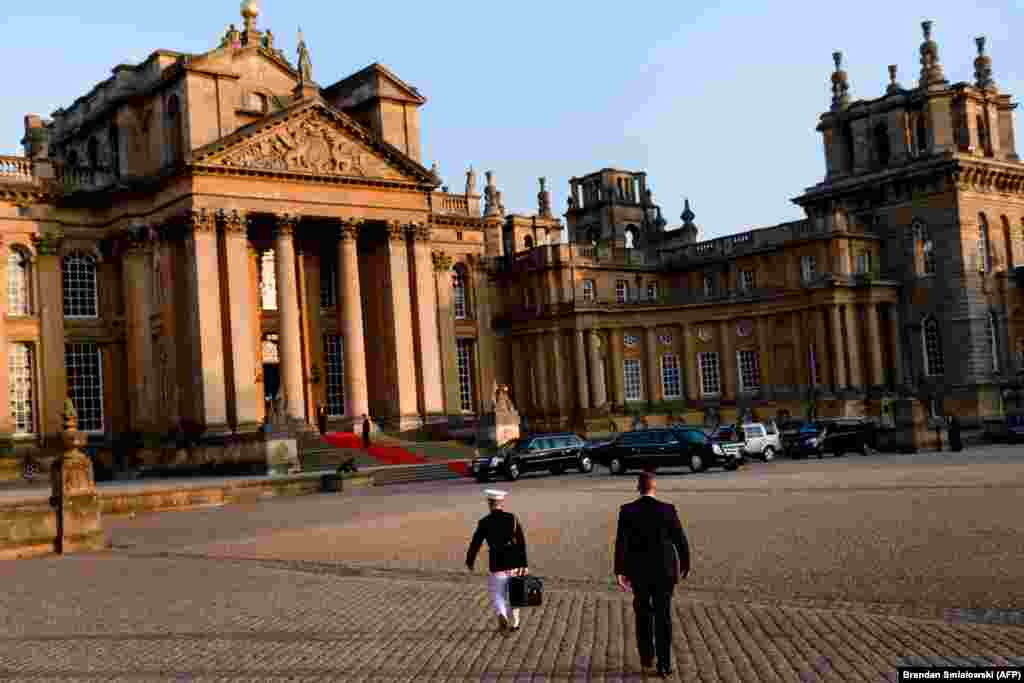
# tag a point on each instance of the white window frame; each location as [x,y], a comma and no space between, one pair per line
[748,362]
[746,280]
[621,291]
[934,361]
[464,369]
[633,380]
[19,283]
[86,300]
[334,375]
[710,369]
[588,290]
[459,305]
[671,385]
[23,390]
[709,285]
[82,407]
[808,267]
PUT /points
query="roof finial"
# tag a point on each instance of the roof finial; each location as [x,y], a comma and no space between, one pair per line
[543,200]
[470,182]
[305,63]
[250,10]
[840,84]
[688,215]
[931,70]
[894,86]
[983,67]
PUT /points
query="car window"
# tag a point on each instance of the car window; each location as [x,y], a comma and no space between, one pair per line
[754,431]
[695,437]
[772,429]
[630,439]
[538,445]
[669,438]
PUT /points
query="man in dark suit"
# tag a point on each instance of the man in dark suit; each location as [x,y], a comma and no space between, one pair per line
[651,553]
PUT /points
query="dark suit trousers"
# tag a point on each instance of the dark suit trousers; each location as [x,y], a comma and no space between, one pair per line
[652,603]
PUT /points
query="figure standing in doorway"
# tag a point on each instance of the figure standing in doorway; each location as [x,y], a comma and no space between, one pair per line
[366,433]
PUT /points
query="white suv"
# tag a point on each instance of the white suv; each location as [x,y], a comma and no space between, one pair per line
[761,440]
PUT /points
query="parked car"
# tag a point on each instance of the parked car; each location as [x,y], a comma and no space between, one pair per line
[665,447]
[789,432]
[1015,428]
[552,452]
[761,440]
[837,436]
[730,439]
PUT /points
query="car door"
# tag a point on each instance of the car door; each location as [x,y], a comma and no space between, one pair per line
[633,449]
[673,449]
[755,439]
[532,456]
[561,449]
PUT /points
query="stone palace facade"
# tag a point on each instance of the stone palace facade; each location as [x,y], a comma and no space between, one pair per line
[202,241]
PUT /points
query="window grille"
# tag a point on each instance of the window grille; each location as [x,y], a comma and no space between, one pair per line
[750,370]
[588,290]
[709,286]
[22,388]
[85,384]
[328,283]
[268,281]
[710,378]
[929,257]
[335,375]
[808,267]
[933,360]
[621,291]
[984,257]
[19,286]
[464,363]
[80,286]
[746,280]
[652,291]
[459,294]
[633,379]
[671,387]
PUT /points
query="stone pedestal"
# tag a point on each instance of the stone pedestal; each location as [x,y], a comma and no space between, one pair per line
[501,424]
[74,498]
[282,454]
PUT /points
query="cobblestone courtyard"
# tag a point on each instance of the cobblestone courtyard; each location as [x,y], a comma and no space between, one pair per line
[831,570]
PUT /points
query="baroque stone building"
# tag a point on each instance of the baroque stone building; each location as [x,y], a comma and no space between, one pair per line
[202,240]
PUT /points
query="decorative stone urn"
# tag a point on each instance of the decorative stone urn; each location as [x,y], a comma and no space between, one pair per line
[75,499]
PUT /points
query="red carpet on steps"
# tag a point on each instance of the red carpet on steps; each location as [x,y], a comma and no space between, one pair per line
[386,455]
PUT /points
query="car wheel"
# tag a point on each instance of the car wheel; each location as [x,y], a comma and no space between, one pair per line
[732,465]
[616,466]
[696,463]
[820,454]
[586,464]
[768,454]
[512,472]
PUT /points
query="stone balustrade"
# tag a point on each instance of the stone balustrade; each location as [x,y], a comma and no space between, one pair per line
[16,169]
[23,170]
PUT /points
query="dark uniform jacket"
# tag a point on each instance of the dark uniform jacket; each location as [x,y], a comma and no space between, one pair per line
[507,550]
[649,540]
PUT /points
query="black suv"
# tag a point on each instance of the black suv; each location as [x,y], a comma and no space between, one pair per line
[837,436]
[552,452]
[654,448]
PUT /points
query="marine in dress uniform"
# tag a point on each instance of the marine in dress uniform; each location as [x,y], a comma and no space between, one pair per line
[506,546]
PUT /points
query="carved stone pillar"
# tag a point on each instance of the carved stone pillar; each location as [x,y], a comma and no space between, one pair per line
[429,353]
[801,354]
[51,333]
[483,302]
[137,266]
[203,284]
[615,356]
[652,364]
[690,364]
[256,334]
[582,388]
[896,341]
[769,377]
[290,343]
[350,324]
[875,345]
[838,350]
[403,398]
[446,323]
[598,388]
[240,358]
[730,381]
[822,353]
[541,374]
[560,383]
[854,344]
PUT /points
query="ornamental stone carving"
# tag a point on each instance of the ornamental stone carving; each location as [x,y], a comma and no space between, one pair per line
[285,224]
[442,261]
[396,231]
[419,232]
[200,220]
[348,229]
[235,221]
[308,144]
[704,333]
[48,244]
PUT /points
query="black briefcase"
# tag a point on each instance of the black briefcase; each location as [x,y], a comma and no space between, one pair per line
[525,591]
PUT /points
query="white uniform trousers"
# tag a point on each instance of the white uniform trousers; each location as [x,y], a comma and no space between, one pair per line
[498,584]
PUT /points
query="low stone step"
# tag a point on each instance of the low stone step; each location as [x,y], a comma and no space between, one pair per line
[404,474]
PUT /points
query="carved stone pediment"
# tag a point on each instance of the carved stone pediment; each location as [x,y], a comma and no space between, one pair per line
[312,141]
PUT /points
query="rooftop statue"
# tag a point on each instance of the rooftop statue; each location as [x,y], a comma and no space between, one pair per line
[305,63]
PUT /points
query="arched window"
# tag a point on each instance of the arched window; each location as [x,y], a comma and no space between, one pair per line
[882,144]
[934,364]
[993,339]
[80,300]
[528,242]
[173,130]
[984,253]
[19,282]
[459,299]
[630,237]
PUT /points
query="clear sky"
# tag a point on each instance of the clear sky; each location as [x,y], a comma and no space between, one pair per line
[716,103]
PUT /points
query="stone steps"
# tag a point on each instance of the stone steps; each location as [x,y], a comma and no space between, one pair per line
[407,474]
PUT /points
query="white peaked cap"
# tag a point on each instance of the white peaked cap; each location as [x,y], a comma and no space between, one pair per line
[495,494]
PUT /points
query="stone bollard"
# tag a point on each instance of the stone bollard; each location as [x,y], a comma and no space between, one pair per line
[74,496]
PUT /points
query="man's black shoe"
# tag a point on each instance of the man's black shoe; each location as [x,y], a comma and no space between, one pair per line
[646,665]
[665,671]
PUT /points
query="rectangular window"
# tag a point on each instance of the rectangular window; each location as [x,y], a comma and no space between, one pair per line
[670,385]
[22,388]
[808,268]
[652,291]
[268,281]
[334,371]
[747,280]
[464,362]
[621,291]
[709,286]
[588,290]
[84,364]
[750,370]
[459,295]
[710,379]
[633,379]
[328,283]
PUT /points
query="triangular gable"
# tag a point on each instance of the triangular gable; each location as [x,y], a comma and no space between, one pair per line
[382,82]
[311,138]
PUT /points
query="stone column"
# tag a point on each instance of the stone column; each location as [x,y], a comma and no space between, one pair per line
[350,324]
[428,347]
[801,361]
[247,408]
[597,384]
[521,378]
[652,364]
[313,328]
[690,364]
[290,343]
[50,306]
[541,374]
[582,388]
[400,315]
[560,384]
[730,381]
[615,358]
[838,348]
[875,345]
[6,419]
[483,302]
[822,354]
[853,341]
[764,357]
[446,333]
[896,340]
[137,268]
[256,333]
[209,394]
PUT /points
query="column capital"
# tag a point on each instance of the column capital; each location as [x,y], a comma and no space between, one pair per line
[49,243]
[235,222]
[138,238]
[418,232]
[395,231]
[348,228]
[285,224]
[442,261]
[199,220]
